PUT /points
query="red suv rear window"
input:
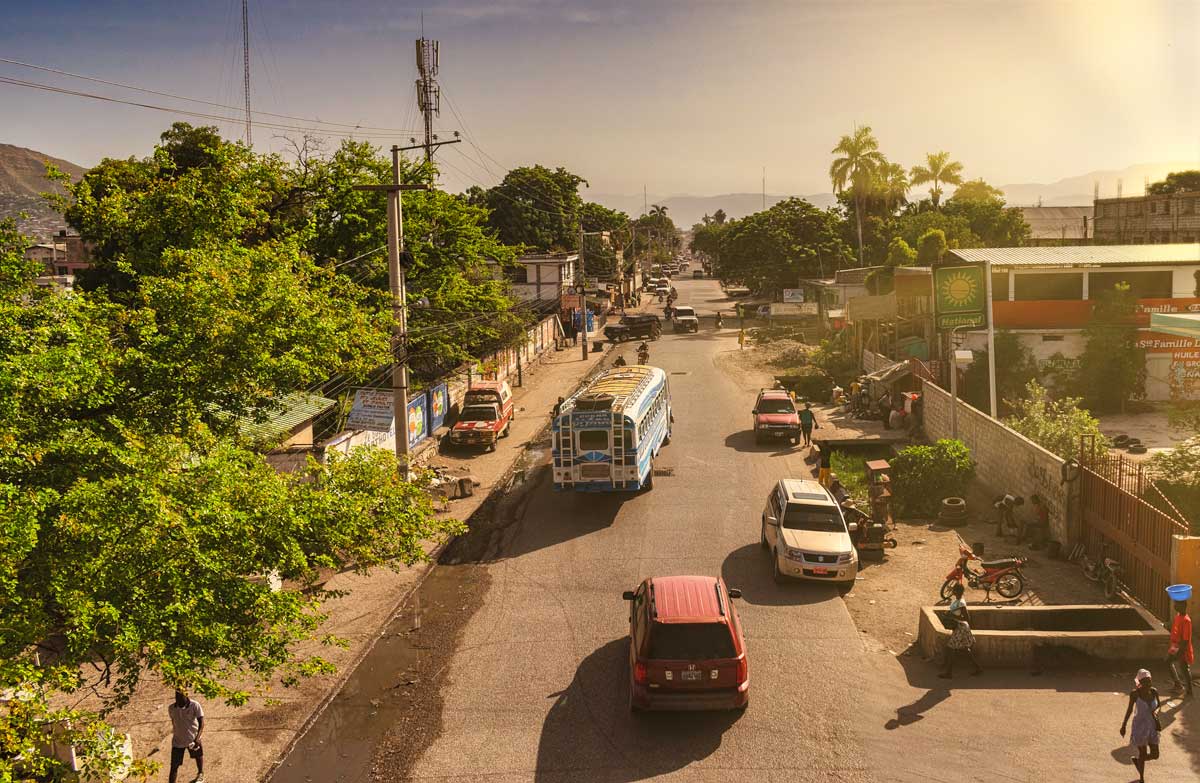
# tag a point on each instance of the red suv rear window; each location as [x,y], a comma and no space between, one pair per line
[690,642]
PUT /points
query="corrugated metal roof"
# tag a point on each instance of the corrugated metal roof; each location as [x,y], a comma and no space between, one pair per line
[686,598]
[298,408]
[1090,255]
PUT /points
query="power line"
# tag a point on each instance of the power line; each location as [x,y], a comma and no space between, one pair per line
[398,132]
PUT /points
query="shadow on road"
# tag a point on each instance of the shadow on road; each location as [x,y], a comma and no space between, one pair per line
[911,713]
[1071,678]
[744,441]
[590,734]
[749,568]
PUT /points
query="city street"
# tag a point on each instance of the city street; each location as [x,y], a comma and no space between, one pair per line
[520,666]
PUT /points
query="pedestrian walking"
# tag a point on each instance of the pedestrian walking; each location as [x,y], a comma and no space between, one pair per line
[187,724]
[808,421]
[741,338]
[961,639]
[825,455]
[1143,704]
[1180,655]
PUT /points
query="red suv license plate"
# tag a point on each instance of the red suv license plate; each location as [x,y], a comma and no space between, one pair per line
[819,570]
[690,676]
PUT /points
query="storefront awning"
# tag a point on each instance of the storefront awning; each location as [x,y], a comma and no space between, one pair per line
[1180,324]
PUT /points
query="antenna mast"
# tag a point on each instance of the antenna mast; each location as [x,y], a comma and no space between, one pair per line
[246,66]
[429,94]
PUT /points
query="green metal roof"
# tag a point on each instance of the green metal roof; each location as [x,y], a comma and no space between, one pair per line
[1182,324]
[297,408]
[1084,255]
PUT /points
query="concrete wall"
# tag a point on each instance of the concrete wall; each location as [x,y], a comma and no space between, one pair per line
[1006,461]
[1185,561]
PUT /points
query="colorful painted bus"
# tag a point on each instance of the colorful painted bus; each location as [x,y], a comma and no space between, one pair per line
[607,436]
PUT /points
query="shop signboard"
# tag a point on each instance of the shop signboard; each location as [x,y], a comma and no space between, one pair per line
[793,295]
[959,296]
[372,410]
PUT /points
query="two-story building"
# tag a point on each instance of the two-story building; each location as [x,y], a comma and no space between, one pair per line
[1045,295]
[540,277]
[1147,220]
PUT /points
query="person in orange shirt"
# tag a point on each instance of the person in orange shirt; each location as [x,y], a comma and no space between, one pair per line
[1180,655]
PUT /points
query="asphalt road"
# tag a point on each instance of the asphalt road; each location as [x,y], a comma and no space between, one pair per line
[531,683]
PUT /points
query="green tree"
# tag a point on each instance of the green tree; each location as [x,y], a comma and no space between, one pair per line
[856,170]
[1113,367]
[535,208]
[770,250]
[977,190]
[914,224]
[931,247]
[990,222]
[1055,425]
[892,184]
[1177,182]
[900,254]
[1015,368]
[938,170]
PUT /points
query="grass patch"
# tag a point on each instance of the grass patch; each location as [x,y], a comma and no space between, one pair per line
[851,468]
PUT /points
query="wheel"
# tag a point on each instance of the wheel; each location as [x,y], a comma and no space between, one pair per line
[649,485]
[845,589]
[491,446]
[779,576]
[947,587]
[667,439]
[762,536]
[504,433]
[1010,585]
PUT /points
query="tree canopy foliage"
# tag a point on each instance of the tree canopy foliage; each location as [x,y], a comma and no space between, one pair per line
[1054,424]
[534,207]
[1176,182]
[1112,369]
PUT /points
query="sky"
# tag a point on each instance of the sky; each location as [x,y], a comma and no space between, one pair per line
[679,96]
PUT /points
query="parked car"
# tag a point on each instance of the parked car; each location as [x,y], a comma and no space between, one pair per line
[687,650]
[632,327]
[775,416]
[807,536]
[684,319]
[486,415]
[697,274]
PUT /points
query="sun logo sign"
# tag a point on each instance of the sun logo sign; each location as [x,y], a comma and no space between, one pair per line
[959,296]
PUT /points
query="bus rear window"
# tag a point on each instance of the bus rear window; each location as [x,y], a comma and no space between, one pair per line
[593,440]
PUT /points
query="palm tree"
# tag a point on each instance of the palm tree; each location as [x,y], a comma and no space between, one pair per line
[856,170]
[940,170]
[893,185]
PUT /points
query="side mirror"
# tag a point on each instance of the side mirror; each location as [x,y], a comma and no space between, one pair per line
[754,412]
[627,595]
[852,527]
[735,593]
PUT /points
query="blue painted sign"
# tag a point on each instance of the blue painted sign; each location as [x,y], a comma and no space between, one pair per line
[439,403]
[418,421]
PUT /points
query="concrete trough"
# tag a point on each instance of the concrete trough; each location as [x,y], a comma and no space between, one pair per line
[1032,636]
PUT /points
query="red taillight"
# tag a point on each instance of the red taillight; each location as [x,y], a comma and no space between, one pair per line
[639,673]
[743,670]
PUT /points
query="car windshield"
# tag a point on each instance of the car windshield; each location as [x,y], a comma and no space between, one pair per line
[478,396]
[690,641]
[681,312]
[776,406]
[824,520]
[478,413]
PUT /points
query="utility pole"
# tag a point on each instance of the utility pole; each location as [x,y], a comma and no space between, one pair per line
[645,202]
[397,284]
[246,66]
[582,291]
[764,188]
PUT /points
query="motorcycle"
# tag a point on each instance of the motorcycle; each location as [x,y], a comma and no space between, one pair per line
[719,321]
[643,355]
[1004,575]
[1107,571]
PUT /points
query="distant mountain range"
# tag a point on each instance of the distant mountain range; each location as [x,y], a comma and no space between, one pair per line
[1072,191]
[22,181]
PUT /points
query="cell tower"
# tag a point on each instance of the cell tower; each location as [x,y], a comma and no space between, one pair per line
[429,94]
[246,66]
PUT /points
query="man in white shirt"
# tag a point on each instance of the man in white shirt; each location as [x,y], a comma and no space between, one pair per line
[187,724]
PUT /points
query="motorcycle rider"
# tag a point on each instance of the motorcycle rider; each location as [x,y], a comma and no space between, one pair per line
[643,353]
[620,362]
[718,319]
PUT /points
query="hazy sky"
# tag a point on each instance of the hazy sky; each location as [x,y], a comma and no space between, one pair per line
[685,96]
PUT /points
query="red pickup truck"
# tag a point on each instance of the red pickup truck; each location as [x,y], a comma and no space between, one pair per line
[486,416]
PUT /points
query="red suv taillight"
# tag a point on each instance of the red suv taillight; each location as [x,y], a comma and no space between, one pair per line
[639,673]
[743,670]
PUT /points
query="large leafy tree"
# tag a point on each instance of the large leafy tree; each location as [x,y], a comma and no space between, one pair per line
[856,170]
[1112,368]
[600,254]
[1177,182]
[938,170]
[771,250]
[977,190]
[1015,368]
[136,526]
[534,207]
[1057,425]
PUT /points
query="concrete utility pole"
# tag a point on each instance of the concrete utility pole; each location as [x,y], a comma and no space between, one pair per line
[991,338]
[581,290]
[397,284]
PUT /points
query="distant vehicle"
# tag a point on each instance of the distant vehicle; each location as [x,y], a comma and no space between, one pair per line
[486,415]
[807,536]
[763,311]
[687,649]
[698,274]
[685,320]
[606,437]
[632,327]
[663,290]
[775,416]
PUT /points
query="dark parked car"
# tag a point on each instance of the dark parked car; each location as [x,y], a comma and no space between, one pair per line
[686,646]
[633,327]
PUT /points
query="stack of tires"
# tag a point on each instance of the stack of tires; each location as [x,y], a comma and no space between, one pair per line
[1132,445]
[953,513]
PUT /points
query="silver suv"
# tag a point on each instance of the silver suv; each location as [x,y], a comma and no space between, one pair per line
[807,536]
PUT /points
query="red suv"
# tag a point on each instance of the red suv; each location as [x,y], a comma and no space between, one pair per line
[686,647]
[775,416]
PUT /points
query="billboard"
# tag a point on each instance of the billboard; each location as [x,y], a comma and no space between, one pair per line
[418,423]
[959,296]
[793,295]
[372,410]
[439,404]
